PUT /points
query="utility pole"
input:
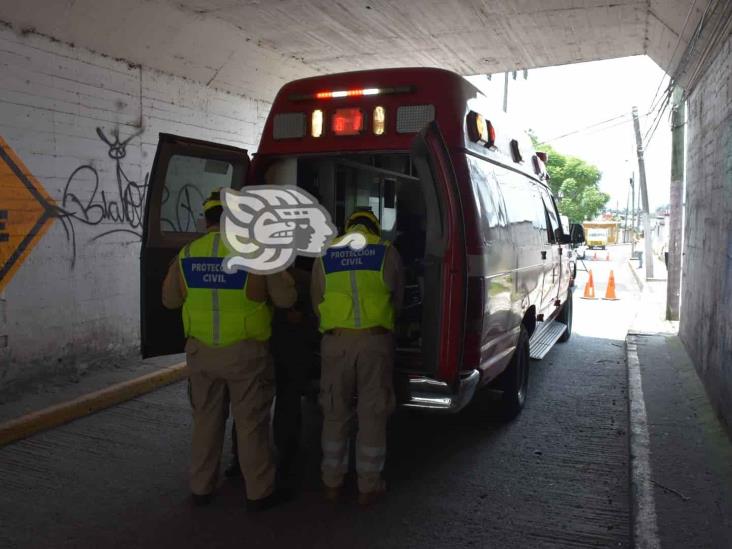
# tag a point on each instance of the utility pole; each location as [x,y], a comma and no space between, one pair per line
[677,183]
[632,215]
[505,93]
[625,226]
[644,194]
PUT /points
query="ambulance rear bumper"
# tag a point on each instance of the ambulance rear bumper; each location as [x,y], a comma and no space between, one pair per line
[429,394]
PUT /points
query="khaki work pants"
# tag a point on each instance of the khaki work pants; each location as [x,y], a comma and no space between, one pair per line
[356,364]
[244,369]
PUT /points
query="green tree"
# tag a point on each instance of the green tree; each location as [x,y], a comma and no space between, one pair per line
[576,181]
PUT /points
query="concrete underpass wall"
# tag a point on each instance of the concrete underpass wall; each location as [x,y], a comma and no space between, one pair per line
[86,127]
[706,316]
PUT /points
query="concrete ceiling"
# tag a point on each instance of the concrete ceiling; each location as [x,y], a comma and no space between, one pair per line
[251,47]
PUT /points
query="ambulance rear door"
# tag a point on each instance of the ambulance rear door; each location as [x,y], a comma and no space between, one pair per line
[184,173]
[443,312]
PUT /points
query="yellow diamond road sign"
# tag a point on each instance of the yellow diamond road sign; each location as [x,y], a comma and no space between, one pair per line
[26,212]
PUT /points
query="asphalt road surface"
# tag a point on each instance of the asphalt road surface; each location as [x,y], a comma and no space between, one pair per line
[557,476]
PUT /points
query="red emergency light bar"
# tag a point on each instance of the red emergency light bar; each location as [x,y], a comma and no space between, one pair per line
[337,94]
[347,93]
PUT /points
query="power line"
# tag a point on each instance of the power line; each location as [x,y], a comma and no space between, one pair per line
[583,129]
[720,32]
[681,67]
[660,110]
[673,55]
[595,127]
[652,129]
[660,102]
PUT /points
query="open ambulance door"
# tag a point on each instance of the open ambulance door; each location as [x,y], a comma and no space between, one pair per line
[443,311]
[184,173]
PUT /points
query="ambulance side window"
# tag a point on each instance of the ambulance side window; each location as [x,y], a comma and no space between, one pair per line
[555,230]
[188,182]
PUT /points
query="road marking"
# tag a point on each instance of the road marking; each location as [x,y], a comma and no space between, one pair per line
[645,526]
[26,425]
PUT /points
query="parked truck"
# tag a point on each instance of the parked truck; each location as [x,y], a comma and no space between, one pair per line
[596,238]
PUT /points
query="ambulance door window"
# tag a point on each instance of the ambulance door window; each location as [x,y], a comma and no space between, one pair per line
[189,180]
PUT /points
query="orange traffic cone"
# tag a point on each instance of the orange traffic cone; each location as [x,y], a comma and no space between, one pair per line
[589,289]
[610,292]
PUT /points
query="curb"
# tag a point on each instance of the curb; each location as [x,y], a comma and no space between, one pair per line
[644,524]
[53,416]
[637,277]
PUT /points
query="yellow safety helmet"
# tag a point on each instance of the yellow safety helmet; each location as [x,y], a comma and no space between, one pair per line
[212,201]
[366,219]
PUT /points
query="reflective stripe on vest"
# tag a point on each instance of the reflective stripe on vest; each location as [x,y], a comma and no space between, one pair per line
[217,310]
[356,295]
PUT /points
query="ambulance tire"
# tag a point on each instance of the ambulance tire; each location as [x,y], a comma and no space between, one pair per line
[565,317]
[515,379]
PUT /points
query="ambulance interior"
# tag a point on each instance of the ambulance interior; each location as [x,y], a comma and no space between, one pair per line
[388,184]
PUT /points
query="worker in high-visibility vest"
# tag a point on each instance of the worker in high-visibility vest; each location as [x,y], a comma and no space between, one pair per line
[227,321]
[356,294]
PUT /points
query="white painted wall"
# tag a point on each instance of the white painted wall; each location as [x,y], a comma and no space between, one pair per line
[75,299]
[706,326]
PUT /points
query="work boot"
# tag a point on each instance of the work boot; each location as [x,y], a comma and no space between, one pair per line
[332,493]
[367,498]
[280,495]
[201,500]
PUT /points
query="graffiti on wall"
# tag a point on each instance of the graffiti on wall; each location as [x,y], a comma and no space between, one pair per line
[121,210]
[26,212]
[85,202]
[112,207]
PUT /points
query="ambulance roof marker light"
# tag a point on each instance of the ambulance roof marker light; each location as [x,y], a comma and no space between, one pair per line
[491,134]
[379,120]
[316,123]
[480,130]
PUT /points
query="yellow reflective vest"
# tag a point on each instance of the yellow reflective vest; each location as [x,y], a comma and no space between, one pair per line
[356,295]
[216,310]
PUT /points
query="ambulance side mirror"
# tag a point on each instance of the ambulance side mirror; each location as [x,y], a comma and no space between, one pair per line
[576,234]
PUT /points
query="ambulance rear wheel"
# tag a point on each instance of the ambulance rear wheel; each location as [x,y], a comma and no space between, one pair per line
[515,380]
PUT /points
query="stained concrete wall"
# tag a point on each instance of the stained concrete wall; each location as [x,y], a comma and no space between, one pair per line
[706,316]
[86,127]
